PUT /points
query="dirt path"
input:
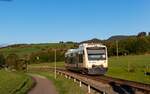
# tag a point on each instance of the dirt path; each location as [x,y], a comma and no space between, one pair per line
[43,86]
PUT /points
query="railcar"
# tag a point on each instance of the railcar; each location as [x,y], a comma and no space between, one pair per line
[89,58]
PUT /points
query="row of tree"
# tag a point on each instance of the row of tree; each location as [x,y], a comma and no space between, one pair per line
[131,45]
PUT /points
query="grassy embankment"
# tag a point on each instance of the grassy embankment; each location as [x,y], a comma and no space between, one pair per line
[14,82]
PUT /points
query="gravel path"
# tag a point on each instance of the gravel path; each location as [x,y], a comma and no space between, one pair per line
[43,86]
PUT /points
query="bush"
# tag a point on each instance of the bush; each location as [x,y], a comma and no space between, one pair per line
[2,60]
[46,56]
[12,61]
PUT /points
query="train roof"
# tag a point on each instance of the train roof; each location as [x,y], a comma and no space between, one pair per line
[91,45]
[81,47]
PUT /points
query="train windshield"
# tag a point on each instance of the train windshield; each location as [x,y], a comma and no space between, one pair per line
[98,53]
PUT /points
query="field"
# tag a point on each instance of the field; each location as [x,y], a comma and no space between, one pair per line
[130,68]
[52,64]
[14,83]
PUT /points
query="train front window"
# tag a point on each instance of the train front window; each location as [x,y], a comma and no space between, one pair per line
[96,53]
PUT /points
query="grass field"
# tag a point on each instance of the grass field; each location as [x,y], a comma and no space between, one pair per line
[130,67]
[14,83]
[63,85]
[124,67]
[52,64]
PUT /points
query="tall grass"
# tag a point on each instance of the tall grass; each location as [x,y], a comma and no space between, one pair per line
[14,83]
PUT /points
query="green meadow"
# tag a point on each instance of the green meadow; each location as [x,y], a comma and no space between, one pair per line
[14,82]
[132,67]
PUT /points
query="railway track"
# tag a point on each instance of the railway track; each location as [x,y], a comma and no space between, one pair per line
[118,85]
[107,84]
[130,85]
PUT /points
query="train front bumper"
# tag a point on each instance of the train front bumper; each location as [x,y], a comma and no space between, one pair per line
[97,71]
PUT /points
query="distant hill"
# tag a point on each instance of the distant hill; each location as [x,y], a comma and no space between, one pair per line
[27,49]
[118,37]
[94,40]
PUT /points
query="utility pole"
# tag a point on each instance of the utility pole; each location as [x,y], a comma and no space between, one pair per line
[55,61]
[117,48]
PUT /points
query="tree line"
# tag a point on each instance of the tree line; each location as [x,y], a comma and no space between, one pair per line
[139,44]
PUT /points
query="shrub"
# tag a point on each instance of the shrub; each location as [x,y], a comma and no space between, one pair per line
[2,60]
[12,61]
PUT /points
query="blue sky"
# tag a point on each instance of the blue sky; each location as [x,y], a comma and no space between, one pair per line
[41,21]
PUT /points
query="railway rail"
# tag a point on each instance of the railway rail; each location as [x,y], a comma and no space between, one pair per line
[105,84]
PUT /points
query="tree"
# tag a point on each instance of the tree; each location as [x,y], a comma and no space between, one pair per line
[141,34]
[130,45]
[12,61]
[61,42]
[69,42]
[142,45]
[2,60]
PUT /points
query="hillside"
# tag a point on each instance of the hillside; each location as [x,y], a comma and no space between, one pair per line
[27,49]
[94,40]
[119,37]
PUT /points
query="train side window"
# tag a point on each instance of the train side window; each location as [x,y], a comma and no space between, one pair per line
[80,58]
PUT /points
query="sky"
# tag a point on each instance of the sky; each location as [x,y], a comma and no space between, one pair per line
[42,21]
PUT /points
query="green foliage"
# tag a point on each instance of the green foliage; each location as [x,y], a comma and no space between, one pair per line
[12,61]
[46,56]
[131,45]
[35,53]
[141,34]
[2,60]
[23,50]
